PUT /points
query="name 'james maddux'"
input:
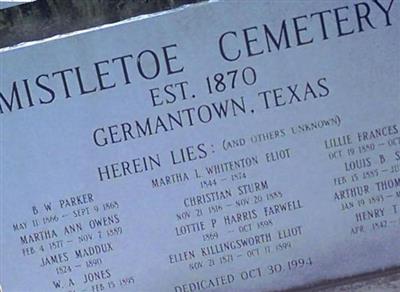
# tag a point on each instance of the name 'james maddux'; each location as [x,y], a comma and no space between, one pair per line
[81,253]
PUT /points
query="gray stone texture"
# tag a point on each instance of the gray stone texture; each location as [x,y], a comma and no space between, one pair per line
[46,18]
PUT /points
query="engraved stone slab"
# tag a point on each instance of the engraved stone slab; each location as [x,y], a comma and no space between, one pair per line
[219,146]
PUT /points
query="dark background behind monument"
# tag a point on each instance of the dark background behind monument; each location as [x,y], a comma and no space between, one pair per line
[45,18]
